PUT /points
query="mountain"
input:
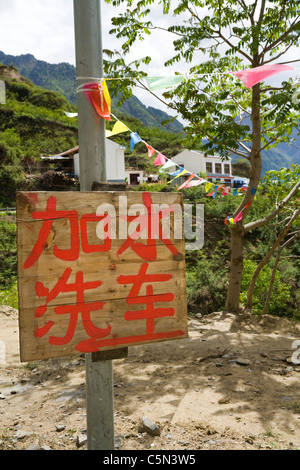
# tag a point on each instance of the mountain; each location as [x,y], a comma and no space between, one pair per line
[56,77]
[281,156]
[62,78]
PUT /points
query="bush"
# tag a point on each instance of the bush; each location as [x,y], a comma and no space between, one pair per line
[279,301]
[9,296]
[206,285]
[8,253]
[12,180]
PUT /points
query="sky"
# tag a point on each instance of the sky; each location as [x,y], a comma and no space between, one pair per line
[45,29]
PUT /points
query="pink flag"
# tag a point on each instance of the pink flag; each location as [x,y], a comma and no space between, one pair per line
[238,217]
[225,191]
[186,182]
[194,183]
[252,76]
[151,150]
[160,160]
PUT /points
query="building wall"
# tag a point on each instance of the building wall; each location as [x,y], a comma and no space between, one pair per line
[195,162]
[192,161]
[115,163]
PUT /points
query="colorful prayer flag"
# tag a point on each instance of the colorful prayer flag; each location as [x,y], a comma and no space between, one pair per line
[98,96]
[159,83]
[135,138]
[151,150]
[251,77]
[160,160]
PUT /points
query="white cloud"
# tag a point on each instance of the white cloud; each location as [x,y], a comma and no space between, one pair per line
[43,28]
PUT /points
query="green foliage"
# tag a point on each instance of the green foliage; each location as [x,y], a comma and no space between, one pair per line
[32,123]
[9,296]
[8,252]
[210,103]
[206,284]
[279,302]
[12,180]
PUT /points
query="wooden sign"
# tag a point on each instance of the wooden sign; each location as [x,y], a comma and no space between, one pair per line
[99,271]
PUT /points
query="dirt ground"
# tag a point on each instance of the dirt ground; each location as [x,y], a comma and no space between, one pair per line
[232,385]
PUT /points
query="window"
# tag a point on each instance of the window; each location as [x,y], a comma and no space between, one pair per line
[227,169]
[208,167]
[218,168]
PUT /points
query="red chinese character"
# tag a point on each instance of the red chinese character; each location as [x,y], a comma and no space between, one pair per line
[71,254]
[150,221]
[150,312]
[79,287]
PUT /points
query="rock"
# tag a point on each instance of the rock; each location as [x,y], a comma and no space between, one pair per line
[149,427]
[183,443]
[45,448]
[243,362]
[2,397]
[223,401]
[118,441]
[21,434]
[60,427]
[81,440]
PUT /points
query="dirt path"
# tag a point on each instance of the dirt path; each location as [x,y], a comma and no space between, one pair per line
[230,385]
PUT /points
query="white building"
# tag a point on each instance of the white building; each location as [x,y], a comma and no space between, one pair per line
[213,167]
[115,161]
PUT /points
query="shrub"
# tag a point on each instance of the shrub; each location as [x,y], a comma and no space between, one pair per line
[8,253]
[206,285]
[279,301]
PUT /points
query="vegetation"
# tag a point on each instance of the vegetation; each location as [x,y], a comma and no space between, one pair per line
[33,122]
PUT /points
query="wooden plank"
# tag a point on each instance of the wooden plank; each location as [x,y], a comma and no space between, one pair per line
[78,293]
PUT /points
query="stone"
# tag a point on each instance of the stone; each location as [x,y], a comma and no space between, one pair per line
[21,434]
[60,427]
[81,440]
[243,362]
[149,427]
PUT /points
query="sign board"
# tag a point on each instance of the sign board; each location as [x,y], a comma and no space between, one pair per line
[99,271]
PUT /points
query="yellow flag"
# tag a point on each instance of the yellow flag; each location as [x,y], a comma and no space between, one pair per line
[208,186]
[117,129]
[183,172]
[106,95]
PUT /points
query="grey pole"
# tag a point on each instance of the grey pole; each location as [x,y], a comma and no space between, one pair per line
[91,128]
[89,63]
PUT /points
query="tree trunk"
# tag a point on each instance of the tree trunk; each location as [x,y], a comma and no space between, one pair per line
[236,268]
[237,232]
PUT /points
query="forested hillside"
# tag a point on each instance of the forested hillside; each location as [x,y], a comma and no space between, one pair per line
[33,123]
[62,78]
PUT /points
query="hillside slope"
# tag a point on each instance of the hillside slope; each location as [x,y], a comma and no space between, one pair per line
[62,78]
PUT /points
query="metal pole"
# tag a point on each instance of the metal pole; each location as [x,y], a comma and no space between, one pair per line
[89,63]
[91,128]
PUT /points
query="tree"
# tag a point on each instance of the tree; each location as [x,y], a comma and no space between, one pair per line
[224,117]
